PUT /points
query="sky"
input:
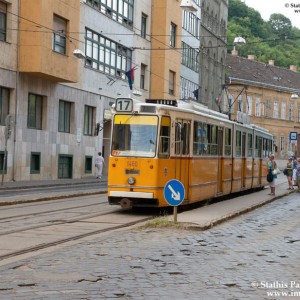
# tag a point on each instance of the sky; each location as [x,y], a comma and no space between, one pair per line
[284,7]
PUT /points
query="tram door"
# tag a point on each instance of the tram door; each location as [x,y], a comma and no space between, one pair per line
[220,159]
[182,153]
[244,161]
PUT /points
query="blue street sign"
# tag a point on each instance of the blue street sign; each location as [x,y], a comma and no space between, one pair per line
[174,192]
[293,135]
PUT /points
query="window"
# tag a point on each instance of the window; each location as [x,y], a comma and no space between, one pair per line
[188,89]
[4,105]
[172,83]
[88,120]
[35,163]
[250,145]
[64,115]
[191,23]
[275,112]
[197,136]
[282,142]
[212,143]
[275,143]
[298,113]
[231,104]
[268,108]
[291,111]
[143,75]
[144,26]
[35,111]
[106,56]
[249,105]
[238,143]
[2,164]
[59,34]
[257,107]
[227,141]
[185,135]
[135,136]
[283,110]
[258,146]
[189,57]
[240,104]
[88,164]
[119,10]
[164,137]
[3,13]
[173,35]
[182,137]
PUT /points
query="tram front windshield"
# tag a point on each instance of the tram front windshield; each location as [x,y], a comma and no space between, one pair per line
[134,135]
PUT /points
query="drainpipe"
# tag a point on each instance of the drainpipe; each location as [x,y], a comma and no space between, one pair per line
[16,93]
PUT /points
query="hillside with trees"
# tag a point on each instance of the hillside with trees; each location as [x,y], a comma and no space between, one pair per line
[274,39]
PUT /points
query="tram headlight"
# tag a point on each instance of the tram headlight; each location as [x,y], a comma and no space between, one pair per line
[131,180]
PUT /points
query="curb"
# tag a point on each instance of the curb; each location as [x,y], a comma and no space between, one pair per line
[193,226]
[58,197]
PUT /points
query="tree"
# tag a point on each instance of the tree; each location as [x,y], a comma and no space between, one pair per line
[280,24]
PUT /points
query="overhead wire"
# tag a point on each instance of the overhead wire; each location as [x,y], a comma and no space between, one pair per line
[71,39]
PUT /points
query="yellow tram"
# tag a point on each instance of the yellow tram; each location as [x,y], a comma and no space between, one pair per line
[157,141]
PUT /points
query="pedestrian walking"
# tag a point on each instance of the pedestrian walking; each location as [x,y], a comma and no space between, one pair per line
[294,178]
[289,168]
[99,162]
[298,174]
[272,166]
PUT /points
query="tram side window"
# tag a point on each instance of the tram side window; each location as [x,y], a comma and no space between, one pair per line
[212,139]
[178,126]
[204,139]
[185,134]
[164,137]
[227,141]
[197,138]
[258,146]
[265,148]
[238,144]
[250,144]
[269,147]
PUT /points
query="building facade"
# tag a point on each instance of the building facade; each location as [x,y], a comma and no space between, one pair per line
[58,105]
[266,96]
[204,49]
[55,106]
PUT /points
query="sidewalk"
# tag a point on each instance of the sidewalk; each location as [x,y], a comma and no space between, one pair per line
[42,183]
[205,217]
[34,191]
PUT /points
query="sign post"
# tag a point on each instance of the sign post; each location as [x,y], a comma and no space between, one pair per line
[174,194]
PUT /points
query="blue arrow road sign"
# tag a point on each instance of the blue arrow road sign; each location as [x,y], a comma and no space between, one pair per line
[174,192]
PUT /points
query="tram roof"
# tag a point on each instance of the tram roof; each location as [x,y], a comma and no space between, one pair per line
[196,108]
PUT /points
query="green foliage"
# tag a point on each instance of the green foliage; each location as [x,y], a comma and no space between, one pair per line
[275,39]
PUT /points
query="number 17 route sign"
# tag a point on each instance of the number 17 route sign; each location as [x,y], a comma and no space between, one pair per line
[174,192]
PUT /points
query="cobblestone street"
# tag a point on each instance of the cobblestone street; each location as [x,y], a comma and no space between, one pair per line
[254,256]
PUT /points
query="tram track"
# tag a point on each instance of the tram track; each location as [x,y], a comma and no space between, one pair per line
[54,222]
[49,211]
[42,246]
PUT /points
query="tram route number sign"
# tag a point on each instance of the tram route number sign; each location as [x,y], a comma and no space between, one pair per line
[174,192]
[124,105]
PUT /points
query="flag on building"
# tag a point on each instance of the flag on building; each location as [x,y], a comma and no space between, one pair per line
[218,100]
[130,76]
